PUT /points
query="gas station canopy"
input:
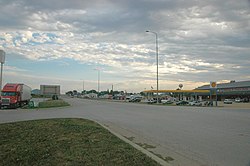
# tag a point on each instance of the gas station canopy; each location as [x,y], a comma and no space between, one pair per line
[177,91]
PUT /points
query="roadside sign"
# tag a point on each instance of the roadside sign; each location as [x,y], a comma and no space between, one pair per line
[213,90]
[213,85]
[50,89]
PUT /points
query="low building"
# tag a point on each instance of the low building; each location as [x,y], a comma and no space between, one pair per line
[231,90]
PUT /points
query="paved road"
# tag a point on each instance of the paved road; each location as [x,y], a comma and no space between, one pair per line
[191,135]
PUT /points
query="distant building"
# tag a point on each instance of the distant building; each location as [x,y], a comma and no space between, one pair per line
[35,92]
[231,90]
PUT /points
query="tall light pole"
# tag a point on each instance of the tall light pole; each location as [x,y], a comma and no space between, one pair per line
[112,91]
[157,71]
[98,83]
[2,59]
[83,86]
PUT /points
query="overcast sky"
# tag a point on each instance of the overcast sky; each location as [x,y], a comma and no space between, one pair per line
[65,41]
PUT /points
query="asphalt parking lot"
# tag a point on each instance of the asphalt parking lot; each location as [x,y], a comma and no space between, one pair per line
[235,105]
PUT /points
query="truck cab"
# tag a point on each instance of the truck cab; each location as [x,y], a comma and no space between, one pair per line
[10,99]
[15,95]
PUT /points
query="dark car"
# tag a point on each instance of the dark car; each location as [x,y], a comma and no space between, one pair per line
[195,103]
[182,103]
[136,99]
[245,100]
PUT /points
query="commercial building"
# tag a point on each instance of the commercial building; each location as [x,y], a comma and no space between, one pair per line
[231,90]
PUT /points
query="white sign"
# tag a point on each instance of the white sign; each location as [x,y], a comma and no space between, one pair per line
[50,89]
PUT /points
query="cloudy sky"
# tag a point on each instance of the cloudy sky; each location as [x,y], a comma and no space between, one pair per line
[65,42]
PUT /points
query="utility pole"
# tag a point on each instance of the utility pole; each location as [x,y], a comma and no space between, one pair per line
[112,91]
[157,63]
[83,86]
[2,60]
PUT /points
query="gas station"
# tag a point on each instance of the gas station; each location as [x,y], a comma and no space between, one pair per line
[181,94]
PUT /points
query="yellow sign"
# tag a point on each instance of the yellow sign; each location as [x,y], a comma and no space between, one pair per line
[213,84]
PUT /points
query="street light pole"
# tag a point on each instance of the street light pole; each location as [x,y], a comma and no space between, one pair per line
[2,60]
[98,81]
[83,86]
[157,65]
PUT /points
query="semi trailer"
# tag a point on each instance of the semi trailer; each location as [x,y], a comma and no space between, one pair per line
[15,95]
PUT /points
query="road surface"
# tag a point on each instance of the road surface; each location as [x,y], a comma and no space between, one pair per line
[190,135]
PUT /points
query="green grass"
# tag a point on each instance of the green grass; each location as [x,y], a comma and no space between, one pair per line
[65,142]
[52,103]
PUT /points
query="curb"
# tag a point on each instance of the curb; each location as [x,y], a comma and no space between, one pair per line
[149,154]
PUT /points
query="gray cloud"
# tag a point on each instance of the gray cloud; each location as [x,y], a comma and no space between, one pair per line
[198,40]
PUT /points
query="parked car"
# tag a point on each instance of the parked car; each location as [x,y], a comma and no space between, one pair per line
[182,103]
[238,100]
[228,101]
[151,101]
[166,101]
[208,103]
[245,100]
[195,103]
[135,99]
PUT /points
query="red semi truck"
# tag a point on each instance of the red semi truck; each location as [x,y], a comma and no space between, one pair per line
[15,95]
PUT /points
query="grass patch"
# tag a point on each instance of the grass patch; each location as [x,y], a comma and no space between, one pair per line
[65,142]
[53,103]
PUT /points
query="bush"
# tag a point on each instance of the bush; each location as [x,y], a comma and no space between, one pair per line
[53,103]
